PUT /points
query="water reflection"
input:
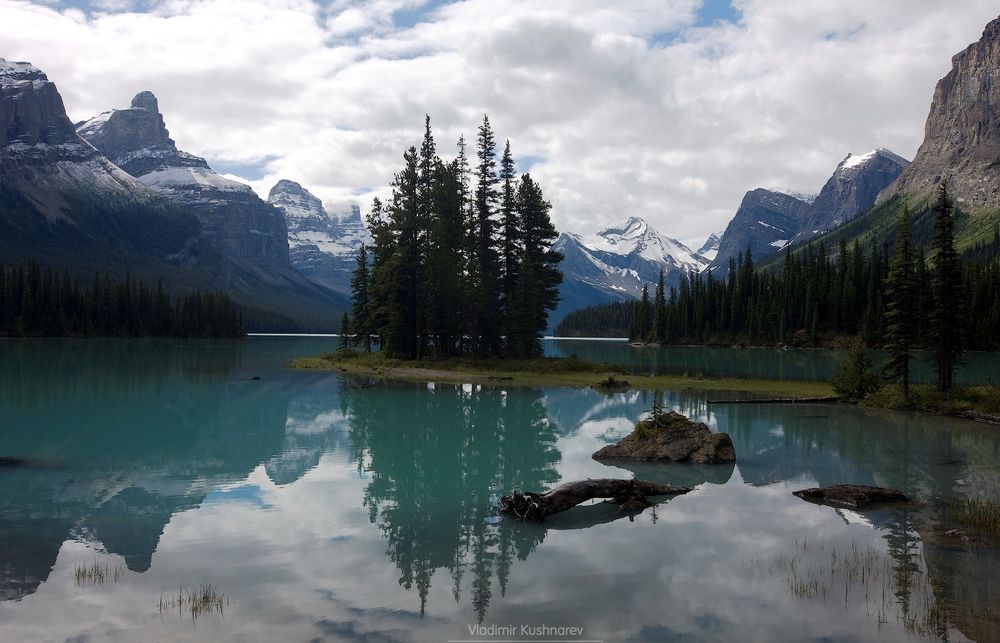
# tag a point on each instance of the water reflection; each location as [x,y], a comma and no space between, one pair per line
[438,460]
[352,509]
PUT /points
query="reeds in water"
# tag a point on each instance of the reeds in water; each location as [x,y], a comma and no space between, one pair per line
[98,574]
[203,600]
[888,586]
[982,517]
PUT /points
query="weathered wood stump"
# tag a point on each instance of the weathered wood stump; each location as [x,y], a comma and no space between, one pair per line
[629,494]
[851,496]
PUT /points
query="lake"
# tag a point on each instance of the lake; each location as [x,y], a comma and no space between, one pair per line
[331,509]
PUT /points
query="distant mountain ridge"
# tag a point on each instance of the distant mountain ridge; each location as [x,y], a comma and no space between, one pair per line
[322,247]
[232,215]
[767,221]
[615,264]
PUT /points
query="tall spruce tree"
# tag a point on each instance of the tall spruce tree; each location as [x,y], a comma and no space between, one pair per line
[361,302]
[487,327]
[345,332]
[645,315]
[946,286]
[446,297]
[510,227]
[660,312]
[901,290]
[537,289]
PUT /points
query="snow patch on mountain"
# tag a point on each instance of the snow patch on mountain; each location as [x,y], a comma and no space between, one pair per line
[638,238]
[710,248]
[323,247]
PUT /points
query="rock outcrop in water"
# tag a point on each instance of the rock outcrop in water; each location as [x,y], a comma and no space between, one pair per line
[672,438]
[962,133]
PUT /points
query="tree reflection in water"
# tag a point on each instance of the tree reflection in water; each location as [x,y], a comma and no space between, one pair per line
[437,464]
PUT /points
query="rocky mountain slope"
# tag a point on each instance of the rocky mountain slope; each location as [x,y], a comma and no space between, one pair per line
[765,222]
[64,204]
[233,217]
[710,248]
[322,247]
[615,264]
[962,133]
[249,233]
[852,189]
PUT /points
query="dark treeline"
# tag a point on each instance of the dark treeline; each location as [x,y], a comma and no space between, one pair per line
[613,319]
[461,260]
[808,298]
[42,303]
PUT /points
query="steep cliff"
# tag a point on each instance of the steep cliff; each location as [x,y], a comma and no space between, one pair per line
[962,133]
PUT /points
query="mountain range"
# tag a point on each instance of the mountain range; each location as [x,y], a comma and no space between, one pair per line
[615,264]
[768,221]
[114,193]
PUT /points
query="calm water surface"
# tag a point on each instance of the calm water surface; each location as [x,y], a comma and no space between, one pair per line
[345,510]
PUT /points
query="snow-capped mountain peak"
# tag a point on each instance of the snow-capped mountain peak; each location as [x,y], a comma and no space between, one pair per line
[323,247]
[855,161]
[296,201]
[636,237]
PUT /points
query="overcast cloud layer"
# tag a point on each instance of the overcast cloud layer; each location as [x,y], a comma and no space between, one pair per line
[626,108]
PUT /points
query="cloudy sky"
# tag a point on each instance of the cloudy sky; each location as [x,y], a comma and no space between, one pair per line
[665,109]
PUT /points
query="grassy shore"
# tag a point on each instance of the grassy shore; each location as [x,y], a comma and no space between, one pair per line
[980,403]
[544,371]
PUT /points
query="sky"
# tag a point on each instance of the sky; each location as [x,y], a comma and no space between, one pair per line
[666,109]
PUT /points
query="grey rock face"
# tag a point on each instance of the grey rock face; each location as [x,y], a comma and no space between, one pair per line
[962,133]
[852,189]
[765,222]
[64,198]
[136,139]
[710,248]
[34,127]
[233,218]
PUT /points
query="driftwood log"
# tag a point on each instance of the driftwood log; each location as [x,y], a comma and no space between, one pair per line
[851,496]
[629,494]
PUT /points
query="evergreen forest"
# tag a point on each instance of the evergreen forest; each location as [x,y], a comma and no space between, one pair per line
[36,302]
[461,260]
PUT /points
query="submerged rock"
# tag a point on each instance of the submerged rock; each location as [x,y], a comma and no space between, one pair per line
[673,438]
[852,496]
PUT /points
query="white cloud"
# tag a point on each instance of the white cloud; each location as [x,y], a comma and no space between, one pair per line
[618,119]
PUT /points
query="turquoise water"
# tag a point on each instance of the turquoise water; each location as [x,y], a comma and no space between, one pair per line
[348,510]
[768,363]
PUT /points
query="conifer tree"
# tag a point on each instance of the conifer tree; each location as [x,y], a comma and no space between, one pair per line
[345,332]
[901,291]
[536,291]
[361,302]
[509,225]
[660,312]
[485,270]
[946,285]
[645,314]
